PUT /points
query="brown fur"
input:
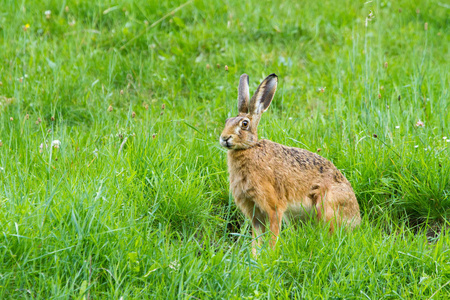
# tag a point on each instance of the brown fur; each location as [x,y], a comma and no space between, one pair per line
[270,181]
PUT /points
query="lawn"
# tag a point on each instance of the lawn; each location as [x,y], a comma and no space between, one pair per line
[113,183]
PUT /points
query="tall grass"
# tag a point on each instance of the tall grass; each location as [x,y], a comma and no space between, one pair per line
[134,202]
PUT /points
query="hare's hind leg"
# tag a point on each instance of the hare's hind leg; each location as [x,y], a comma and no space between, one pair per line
[338,207]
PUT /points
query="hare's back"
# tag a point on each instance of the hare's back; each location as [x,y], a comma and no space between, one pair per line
[291,158]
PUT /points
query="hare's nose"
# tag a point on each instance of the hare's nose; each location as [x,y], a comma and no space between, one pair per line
[226,138]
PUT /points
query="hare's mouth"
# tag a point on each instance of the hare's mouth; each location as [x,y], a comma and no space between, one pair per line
[226,142]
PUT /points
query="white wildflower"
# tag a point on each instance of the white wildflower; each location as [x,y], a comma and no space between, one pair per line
[175,265]
[48,14]
[444,138]
[1,169]
[416,146]
[96,152]
[56,143]
[369,18]
[397,127]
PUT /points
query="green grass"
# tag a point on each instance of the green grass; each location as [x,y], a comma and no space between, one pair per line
[140,207]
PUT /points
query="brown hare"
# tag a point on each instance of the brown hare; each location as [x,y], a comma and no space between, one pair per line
[270,181]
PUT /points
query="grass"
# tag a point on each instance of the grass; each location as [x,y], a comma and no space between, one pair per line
[139,207]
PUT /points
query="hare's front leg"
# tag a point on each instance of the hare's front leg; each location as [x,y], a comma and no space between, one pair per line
[275,218]
[259,219]
[258,228]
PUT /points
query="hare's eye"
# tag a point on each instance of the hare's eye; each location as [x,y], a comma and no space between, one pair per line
[245,123]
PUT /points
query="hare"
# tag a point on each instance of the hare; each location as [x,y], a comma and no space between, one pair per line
[270,181]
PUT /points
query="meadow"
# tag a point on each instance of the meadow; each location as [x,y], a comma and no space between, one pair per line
[113,184]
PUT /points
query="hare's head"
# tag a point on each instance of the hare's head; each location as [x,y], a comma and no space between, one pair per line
[240,132]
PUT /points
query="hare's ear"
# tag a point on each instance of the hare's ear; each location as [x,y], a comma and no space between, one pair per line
[264,94]
[243,94]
